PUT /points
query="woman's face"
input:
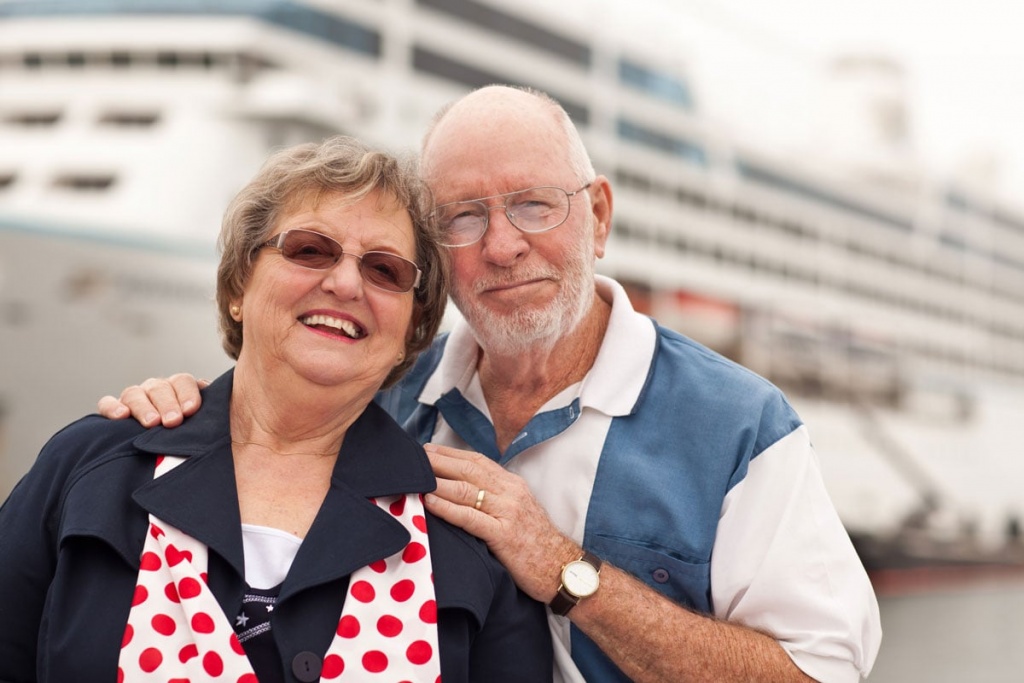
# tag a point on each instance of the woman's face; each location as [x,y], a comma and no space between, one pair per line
[329,326]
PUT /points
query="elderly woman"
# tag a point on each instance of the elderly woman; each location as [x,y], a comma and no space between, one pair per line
[279,535]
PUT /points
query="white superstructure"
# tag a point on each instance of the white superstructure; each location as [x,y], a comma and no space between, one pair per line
[886,302]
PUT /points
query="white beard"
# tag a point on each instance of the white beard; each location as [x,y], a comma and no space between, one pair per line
[533,328]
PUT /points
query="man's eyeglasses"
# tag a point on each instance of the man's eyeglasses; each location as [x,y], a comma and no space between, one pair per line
[317,251]
[534,210]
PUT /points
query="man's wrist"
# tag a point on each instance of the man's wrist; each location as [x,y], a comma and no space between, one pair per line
[580,579]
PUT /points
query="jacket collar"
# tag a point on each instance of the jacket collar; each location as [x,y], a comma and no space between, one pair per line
[199,497]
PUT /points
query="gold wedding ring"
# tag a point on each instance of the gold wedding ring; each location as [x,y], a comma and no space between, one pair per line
[480,499]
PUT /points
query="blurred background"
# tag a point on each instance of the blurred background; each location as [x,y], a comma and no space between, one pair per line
[829,193]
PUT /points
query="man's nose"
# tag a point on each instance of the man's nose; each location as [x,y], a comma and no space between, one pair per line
[503,242]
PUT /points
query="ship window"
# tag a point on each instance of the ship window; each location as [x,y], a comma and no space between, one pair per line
[513,27]
[167,59]
[33,60]
[129,119]
[33,119]
[6,180]
[84,182]
[430,62]
[662,141]
[658,83]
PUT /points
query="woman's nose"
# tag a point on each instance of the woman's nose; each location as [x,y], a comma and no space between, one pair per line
[345,279]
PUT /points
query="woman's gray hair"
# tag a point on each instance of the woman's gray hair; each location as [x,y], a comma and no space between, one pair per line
[347,166]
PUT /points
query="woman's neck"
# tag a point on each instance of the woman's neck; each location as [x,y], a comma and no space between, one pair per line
[293,418]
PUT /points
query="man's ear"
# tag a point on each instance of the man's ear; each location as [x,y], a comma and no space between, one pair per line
[600,192]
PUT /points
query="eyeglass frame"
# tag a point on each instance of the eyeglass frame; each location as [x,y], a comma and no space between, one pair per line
[277,242]
[487,211]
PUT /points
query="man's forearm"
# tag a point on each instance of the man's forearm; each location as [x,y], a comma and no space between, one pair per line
[653,640]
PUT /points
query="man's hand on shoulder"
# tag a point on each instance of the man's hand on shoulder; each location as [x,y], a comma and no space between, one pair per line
[156,401]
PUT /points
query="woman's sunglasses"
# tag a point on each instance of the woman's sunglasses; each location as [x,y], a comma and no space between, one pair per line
[316,251]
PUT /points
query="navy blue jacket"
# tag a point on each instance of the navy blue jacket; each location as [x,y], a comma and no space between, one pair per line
[72,531]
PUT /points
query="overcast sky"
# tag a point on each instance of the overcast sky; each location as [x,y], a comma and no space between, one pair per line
[760,66]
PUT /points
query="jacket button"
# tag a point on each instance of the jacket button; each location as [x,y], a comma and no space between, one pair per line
[306,667]
[660,575]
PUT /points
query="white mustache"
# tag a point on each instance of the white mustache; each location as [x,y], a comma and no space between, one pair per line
[507,279]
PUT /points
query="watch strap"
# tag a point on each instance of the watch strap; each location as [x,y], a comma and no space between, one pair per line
[564,600]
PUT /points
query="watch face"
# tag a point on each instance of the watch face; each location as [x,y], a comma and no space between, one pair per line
[580,578]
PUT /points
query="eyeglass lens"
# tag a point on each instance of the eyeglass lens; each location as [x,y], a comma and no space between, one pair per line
[319,252]
[534,210]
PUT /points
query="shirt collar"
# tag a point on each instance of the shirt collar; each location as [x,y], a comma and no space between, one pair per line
[612,385]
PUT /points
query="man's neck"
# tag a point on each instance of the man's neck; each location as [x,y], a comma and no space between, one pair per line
[516,387]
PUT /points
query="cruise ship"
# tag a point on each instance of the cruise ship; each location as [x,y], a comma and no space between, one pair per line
[887,302]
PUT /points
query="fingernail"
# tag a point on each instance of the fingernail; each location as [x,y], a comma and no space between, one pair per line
[429,447]
[173,415]
[121,411]
[187,406]
[151,418]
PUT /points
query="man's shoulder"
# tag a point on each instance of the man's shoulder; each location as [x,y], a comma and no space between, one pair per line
[680,354]
[721,390]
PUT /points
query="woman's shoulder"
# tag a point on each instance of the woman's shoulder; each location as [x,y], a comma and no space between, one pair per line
[465,571]
[83,445]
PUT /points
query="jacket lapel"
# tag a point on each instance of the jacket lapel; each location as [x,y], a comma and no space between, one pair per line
[199,496]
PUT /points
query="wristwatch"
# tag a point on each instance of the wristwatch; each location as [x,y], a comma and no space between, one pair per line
[580,579]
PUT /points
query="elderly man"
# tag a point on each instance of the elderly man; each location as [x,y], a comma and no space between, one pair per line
[665,502]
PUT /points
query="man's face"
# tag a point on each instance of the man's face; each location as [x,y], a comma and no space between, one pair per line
[516,290]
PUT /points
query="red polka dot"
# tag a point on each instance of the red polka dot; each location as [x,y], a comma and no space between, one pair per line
[204,577]
[120,675]
[348,627]
[175,556]
[363,591]
[159,459]
[235,645]
[202,623]
[247,678]
[155,531]
[189,587]
[375,661]
[164,625]
[398,507]
[150,562]
[419,652]
[403,590]
[129,632]
[140,595]
[389,626]
[150,659]
[213,664]
[414,552]
[420,522]
[171,591]
[179,680]
[187,653]
[333,666]
[380,566]
[428,612]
